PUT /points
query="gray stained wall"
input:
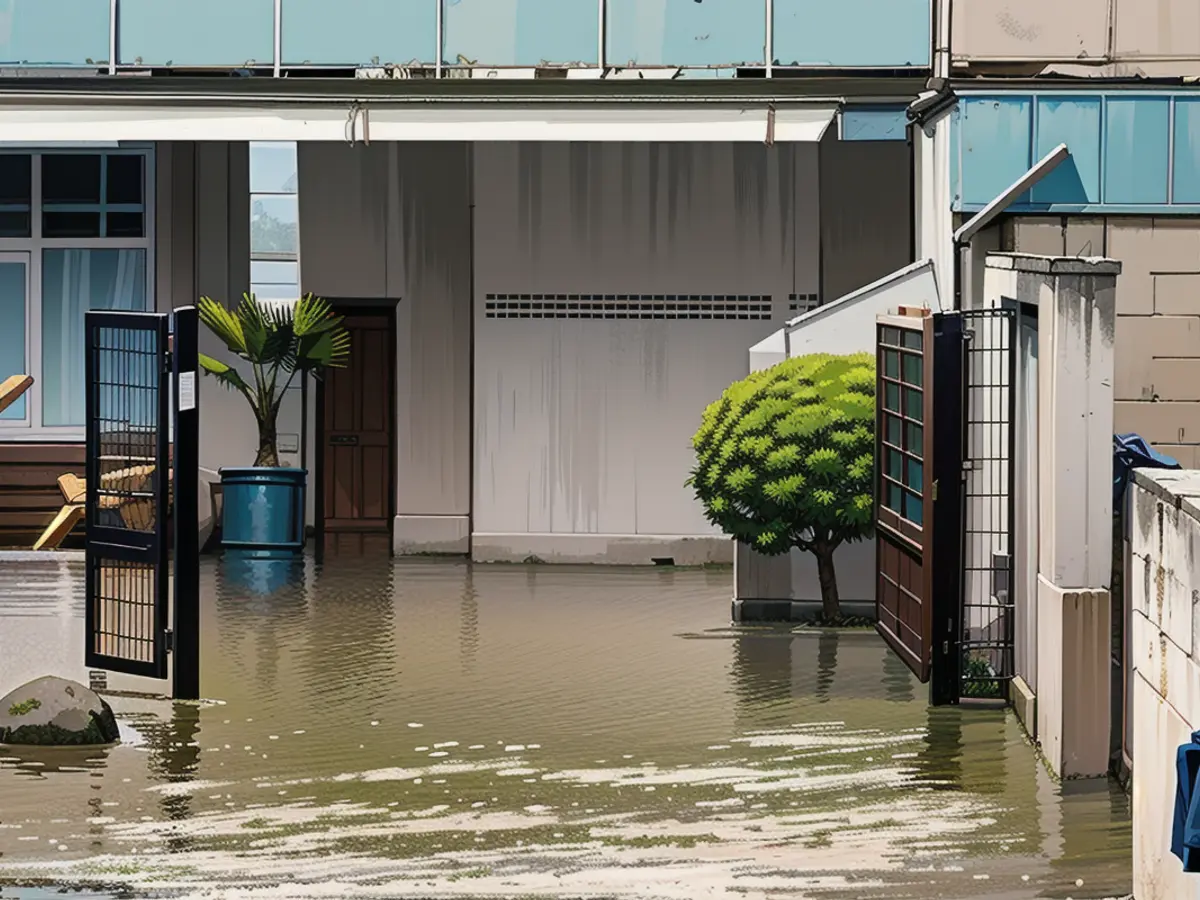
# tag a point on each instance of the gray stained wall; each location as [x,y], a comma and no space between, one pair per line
[1157,389]
[580,426]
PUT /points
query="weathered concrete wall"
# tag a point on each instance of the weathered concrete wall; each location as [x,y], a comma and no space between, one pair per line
[1164,595]
[1157,387]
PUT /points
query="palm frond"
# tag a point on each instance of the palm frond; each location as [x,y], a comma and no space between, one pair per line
[223,323]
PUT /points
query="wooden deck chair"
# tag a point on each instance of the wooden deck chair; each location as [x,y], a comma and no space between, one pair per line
[135,512]
[12,388]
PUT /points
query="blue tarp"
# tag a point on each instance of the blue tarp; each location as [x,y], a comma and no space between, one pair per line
[1130,451]
[1185,831]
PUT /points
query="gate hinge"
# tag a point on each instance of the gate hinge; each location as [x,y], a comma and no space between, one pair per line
[169,640]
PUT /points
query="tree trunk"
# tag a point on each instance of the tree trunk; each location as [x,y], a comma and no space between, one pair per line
[268,447]
[830,607]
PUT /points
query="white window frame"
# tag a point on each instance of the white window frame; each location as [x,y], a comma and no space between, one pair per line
[31,428]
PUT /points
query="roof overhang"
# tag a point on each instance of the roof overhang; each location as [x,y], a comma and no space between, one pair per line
[374,120]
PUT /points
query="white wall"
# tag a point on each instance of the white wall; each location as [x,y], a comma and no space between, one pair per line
[583,427]
[1163,583]
[932,201]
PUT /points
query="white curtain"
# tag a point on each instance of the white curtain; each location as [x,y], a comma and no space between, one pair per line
[74,281]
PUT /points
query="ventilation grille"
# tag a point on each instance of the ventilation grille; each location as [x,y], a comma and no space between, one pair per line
[628,306]
[802,303]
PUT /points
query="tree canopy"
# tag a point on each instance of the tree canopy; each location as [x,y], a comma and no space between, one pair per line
[786,457]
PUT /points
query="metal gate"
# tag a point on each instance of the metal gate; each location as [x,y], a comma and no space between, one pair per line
[127,389]
[986,624]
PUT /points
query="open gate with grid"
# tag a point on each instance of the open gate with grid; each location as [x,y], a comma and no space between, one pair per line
[128,483]
[987,611]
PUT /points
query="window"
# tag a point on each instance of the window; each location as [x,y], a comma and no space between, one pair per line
[74,235]
[274,221]
[902,442]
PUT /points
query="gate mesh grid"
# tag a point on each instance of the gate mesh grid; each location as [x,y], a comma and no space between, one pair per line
[989,514]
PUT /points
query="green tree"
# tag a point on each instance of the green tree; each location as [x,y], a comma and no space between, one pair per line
[277,341]
[786,458]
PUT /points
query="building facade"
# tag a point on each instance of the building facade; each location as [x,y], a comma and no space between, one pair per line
[559,224]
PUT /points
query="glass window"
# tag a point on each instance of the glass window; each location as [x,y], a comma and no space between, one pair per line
[71,178]
[74,281]
[274,225]
[895,465]
[124,180]
[913,369]
[273,168]
[915,475]
[915,439]
[913,339]
[13,360]
[891,397]
[891,364]
[894,498]
[913,510]
[16,194]
[71,224]
[893,431]
[914,404]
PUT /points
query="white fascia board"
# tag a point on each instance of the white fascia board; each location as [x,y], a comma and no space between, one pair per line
[699,122]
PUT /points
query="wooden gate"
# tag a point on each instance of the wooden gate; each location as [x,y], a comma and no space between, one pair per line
[919,438]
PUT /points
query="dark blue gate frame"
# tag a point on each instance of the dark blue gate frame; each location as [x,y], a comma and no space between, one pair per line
[144,343]
[127,366]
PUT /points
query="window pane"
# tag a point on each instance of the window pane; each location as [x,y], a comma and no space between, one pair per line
[74,281]
[12,330]
[275,291]
[895,498]
[891,397]
[912,508]
[913,369]
[893,431]
[16,178]
[913,339]
[125,224]
[273,227]
[891,364]
[895,465]
[916,475]
[124,181]
[70,178]
[71,224]
[915,439]
[272,168]
[262,272]
[890,336]
[914,404]
[14,224]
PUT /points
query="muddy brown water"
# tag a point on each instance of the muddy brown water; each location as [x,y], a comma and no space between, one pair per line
[434,729]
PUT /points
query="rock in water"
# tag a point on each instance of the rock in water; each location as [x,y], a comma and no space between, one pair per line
[52,711]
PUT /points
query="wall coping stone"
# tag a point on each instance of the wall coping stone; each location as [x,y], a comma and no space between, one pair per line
[1054,265]
[1178,487]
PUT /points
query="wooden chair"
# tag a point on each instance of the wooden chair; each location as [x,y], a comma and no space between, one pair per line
[12,388]
[135,512]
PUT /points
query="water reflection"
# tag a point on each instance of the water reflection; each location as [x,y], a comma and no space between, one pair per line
[398,720]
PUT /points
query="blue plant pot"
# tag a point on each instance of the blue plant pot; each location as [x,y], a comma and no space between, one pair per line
[262,512]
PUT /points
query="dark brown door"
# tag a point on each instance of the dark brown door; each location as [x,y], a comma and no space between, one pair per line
[358,418]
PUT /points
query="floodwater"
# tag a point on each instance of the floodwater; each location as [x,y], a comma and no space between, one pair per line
[427,729]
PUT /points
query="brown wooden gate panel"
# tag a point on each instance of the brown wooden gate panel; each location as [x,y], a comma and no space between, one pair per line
[904,492]
[357,440]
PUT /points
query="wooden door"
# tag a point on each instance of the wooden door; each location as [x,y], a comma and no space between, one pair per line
[358,414]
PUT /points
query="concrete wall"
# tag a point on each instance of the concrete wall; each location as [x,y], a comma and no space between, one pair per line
[1124,36]
[1076,312]
[583,427]
[1164,586]
[1157,388]
[392,222]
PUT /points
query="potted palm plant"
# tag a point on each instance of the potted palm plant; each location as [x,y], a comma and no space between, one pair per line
[262,512]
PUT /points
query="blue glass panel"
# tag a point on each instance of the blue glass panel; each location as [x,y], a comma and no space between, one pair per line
[685,33]
[888,123]
[879,33]
[12,330]
[358,32]
[993,145]
[913,509]
[186,33]
[1187,150]
[74,281]
[521,32]
[54,32]
[1074,121]
[1136,135]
